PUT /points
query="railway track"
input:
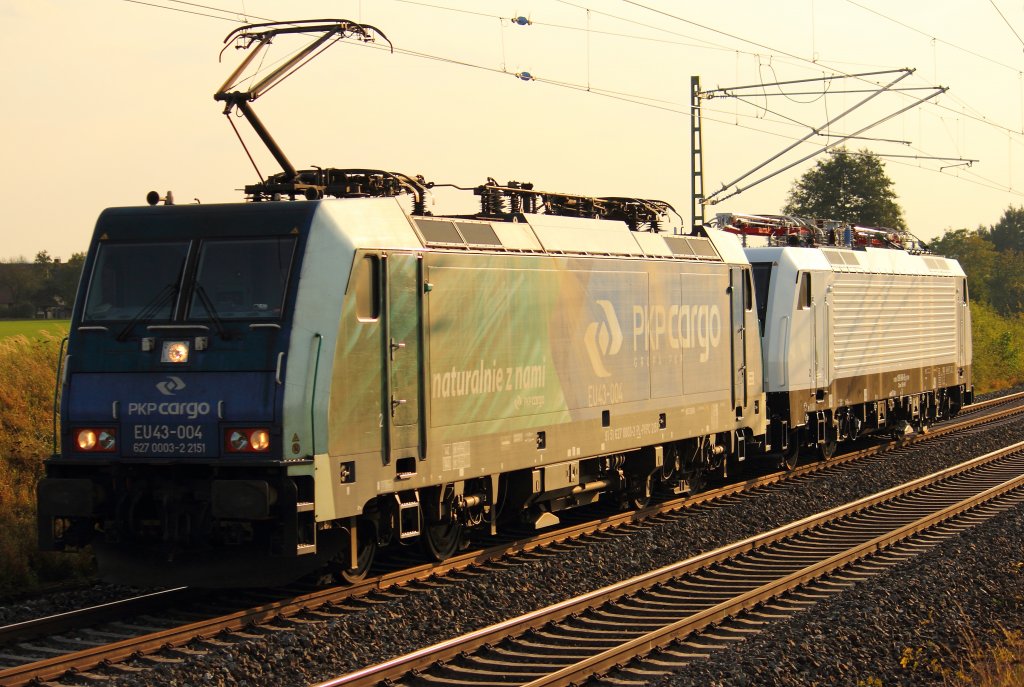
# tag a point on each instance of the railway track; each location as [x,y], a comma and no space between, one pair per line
[57,656]
[612,628]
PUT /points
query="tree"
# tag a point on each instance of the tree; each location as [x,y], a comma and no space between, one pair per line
[1007,288]
[27,288]
[65,279]
[1008,232]
[851,187]
[19,283]
[976,255]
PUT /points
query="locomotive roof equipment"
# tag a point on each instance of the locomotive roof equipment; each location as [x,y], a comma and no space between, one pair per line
[783,230]
[515,198]
[261,35]
[496,201]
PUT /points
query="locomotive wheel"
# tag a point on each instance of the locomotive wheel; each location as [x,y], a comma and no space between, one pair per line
[442,540]
[695,481]
[641,499]
[828,449]
[789,458]
[367,549]
[899,432]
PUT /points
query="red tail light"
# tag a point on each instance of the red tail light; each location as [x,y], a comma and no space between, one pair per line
[248,440]
[96,439]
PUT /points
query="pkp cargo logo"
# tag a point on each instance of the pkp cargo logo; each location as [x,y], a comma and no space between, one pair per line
[603,338]
[170,386]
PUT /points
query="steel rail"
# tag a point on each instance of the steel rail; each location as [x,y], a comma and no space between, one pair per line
[979,405]
[113,610]
[419,660]
[642,646]
[53,667]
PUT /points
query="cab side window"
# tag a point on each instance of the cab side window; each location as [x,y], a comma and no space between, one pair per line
[804,295]
[366,281]
[748,291]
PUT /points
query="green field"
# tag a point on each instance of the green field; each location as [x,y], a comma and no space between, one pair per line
[33,328]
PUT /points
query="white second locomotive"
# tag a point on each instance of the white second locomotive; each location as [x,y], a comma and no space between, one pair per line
[858,340]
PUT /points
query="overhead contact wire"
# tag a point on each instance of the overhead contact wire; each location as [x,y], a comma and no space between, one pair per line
[628,98]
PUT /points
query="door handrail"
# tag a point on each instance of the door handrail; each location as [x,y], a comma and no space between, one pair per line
[312,398]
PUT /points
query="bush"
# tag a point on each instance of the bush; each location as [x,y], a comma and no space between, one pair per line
[27,378]
[998,349]
[20,311]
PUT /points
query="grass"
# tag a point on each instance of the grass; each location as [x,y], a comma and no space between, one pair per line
[996,662]
[27,376]
[33,329]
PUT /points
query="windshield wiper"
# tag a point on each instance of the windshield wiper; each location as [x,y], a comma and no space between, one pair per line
[161,299]
[211,310]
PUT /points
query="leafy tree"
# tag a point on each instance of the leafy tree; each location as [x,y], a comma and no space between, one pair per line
[851,187]
[65,279]
[976,255]
[18,281]
[1007,285]
[35,286]
[1008,232]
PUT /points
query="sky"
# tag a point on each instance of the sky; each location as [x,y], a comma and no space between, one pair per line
[106,100]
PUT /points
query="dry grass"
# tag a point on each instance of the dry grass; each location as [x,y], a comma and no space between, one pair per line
[27,377]
[998,662]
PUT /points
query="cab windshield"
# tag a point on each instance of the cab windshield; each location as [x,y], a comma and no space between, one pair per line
[241,280]
[207,280]
[133,280]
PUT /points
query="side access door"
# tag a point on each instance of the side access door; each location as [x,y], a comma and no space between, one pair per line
[963,317]
[402,355]
[739,297]
[814,296]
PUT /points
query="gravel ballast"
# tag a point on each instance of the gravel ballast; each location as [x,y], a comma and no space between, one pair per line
[867,628]
[910,625]
[62,601]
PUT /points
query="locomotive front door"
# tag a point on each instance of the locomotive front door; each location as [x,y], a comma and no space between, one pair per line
[402,354]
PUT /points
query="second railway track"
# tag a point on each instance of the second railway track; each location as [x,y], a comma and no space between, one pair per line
[589,635]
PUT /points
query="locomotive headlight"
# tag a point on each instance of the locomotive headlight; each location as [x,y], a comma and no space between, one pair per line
[174,352]
[93,440]
[259,440]
[86,439]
